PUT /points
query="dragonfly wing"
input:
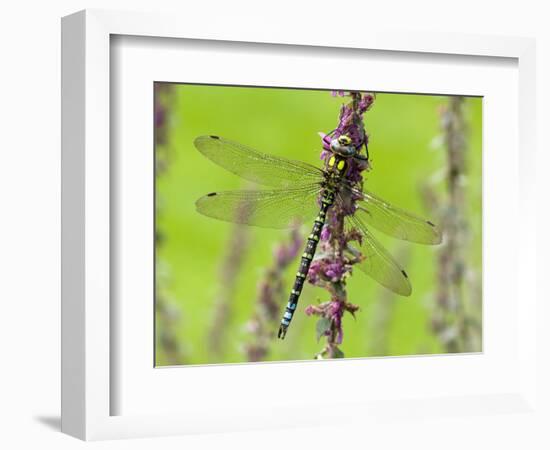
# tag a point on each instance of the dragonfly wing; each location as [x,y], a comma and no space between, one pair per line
[394,221]
[280,208]
[252,165]
[379,264]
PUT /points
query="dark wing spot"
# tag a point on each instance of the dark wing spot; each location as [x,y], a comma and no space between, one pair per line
[404,274]
[430,223]
[211,194]
[214,137]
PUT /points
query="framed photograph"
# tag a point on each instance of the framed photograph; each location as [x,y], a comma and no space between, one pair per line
[310,225]
[265,229]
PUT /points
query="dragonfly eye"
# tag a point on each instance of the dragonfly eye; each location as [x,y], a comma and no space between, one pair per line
[344,140]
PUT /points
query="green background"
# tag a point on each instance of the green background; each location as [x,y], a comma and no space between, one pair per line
[406,152]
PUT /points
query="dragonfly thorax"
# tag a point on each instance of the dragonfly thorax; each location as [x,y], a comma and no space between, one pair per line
[336,165]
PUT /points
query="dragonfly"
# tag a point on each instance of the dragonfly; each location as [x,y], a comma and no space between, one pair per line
[296,192]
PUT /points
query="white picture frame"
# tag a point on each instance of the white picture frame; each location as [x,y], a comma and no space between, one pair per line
[100,400]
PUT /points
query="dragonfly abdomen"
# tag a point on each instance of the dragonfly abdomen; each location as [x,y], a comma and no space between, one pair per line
[309,252]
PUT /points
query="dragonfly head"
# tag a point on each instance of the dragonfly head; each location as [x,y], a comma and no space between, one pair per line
[343,146]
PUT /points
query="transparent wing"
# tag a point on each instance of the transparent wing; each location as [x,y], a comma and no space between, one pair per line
[378,263]
[255,166]
[394,221]
[281,208]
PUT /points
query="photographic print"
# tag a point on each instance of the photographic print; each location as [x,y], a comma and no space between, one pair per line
[299,224]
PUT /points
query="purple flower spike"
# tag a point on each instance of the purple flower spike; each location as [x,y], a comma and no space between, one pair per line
[339,335]
[356,168]
[335,312]
[351,118]
[335,309]
[335,270]
[366,102]
[314,272]
[325,139]
[312,310]
[334,263]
